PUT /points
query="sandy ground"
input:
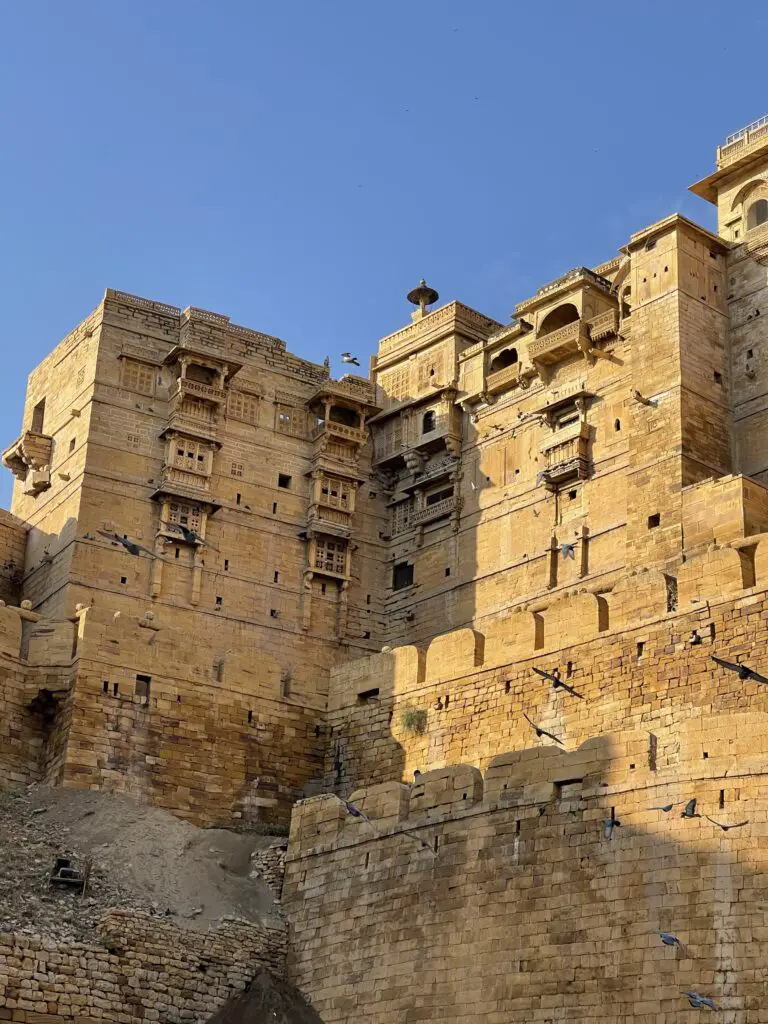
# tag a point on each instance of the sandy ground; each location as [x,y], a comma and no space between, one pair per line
[143,857]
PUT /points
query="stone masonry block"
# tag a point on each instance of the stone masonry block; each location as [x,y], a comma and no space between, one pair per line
[455,654]
[385,804]
[715,572]
[639,596]
[444,789]
[10,632]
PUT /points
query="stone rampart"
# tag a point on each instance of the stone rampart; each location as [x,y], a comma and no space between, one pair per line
[144,970]
[507,896]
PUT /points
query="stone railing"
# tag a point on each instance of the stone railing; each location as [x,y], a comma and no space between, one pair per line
[439,468]
[185,483]
[573,336]
[197,426]
[197,389]
[328,427]
[572,432]
[741,143]
[353,387]
[500,380]
[324,514]
[440,508]
[604,325]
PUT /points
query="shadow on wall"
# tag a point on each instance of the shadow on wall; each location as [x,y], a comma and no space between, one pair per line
[525,903]
[464,697]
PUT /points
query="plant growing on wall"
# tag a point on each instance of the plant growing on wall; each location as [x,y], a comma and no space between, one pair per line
[414,720]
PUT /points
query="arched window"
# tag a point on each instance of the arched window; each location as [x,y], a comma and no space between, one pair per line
[428,422]
[757,214]
[507,357]
[557,318]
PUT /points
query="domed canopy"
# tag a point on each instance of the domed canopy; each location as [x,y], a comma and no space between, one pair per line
[423,295]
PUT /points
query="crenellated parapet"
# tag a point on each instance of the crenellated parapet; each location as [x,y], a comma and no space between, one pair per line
[613,766]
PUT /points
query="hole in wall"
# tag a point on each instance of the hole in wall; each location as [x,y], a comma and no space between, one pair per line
[640,648]
[721,801]
[654,520]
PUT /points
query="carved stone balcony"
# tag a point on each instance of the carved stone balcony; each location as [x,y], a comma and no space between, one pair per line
[331,430]
[438,510]
[442,467]
[196,389]
[605,325]
[743,142]
[182,484]
[502,380]
[567,455]
[329,520]
[29,459]
[557,345]
[204,428]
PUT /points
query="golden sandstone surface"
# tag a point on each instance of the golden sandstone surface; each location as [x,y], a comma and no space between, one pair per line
[232,583]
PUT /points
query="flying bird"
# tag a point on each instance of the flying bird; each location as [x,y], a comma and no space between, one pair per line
[347,357]
[744,672]
[130,545]
[566,550]
[666,808]
[355,812]
[689,811]
[191,536]
[541,732]
[725,828]
[609,824]
[698,1001]
[671,940]
[557,683]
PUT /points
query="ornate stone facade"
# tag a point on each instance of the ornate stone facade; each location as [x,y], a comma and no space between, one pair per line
[585,487]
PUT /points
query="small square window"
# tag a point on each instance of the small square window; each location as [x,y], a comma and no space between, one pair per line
[283,480]
[142,687]
[718,377]
[123,579]
[219,602]
[274,613]
[654,520]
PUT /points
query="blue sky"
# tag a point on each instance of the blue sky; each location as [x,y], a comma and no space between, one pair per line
[299,166]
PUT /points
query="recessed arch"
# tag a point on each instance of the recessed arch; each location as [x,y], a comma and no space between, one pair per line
[747,190]
[507,357]
[757,213]
[558,317]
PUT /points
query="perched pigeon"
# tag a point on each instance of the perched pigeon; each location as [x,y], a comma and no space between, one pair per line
[416,775]
[541,732]
[743,671]
[689,811]
[566,550]
[609,824]
[725,828]
[347,357]
[698,1001]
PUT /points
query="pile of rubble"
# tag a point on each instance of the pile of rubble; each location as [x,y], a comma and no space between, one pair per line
[136,857]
